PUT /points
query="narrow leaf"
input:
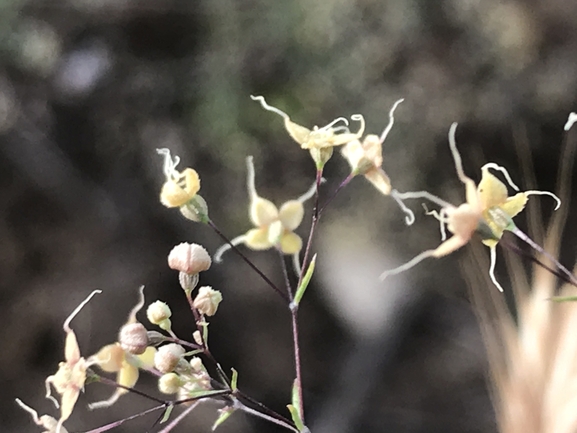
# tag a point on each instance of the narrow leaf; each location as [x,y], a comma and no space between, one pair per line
[234,380]
[224,414]
[296,417]
[305,282]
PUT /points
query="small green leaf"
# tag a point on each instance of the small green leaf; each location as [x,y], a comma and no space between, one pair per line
[295,395]
[296,417]
[224,414]
[234,380]
[563,298]
[305,282]
[167,413]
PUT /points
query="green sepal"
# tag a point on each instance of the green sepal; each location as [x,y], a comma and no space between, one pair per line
[563,298]
[167,414]
[224,414]
[234,380]
[296,417]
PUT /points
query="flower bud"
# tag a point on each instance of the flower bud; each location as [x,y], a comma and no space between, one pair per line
[170,383]
[189,258]
[168,356]
[207,300]
[197,337]
[197,365]
[133,337]
[159,313]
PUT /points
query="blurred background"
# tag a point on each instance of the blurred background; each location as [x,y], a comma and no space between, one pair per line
[90,88]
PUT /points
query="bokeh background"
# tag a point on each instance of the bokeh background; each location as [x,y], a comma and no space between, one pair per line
[90,88]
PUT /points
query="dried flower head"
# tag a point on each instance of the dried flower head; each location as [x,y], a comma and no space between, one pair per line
[46,421]
[273,227]
[71,375]
[488,212]
[207,300]
[117,358]
[189,258]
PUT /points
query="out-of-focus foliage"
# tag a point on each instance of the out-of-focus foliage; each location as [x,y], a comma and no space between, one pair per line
[90,88]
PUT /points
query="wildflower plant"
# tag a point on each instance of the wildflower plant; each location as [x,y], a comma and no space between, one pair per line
[187,370]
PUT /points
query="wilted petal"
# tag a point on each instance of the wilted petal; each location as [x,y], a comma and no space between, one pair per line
[380,180]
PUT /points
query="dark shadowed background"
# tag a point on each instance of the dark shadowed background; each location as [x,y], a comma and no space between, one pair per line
[90,88]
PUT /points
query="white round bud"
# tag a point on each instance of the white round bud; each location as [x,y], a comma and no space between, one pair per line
[133,338]
[207,300]
[167,357]
[170,383]
[189,258]
[158,312]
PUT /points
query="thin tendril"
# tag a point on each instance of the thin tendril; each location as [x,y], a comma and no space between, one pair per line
[502,170]
[391,122]
[414,261]
[492,268]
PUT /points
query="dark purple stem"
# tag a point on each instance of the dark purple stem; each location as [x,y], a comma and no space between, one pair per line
[248,262]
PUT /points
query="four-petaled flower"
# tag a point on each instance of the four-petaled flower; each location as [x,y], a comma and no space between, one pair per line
[114,358]
[488,211]
[318,138]
[71,375]
[274,227]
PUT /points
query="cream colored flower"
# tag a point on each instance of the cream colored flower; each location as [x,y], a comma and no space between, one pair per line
[180,186]
[318,138]
[366,157]
[71,375]
[113,358]
[488,211]
[274,227]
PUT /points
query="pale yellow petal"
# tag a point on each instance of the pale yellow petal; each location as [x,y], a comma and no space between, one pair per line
[492,192]
[110,358]
[290,243]
[257,239]
[514,205]
[299,133]
[127,376]
[291,214]
[262,212]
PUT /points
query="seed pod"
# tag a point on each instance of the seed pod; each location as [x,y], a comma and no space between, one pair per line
[189,258]
[133,337]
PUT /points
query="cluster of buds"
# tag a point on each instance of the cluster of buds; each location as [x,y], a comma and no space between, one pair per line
[180,376]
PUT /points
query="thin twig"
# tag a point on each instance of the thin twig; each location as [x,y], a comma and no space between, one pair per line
[248,262]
